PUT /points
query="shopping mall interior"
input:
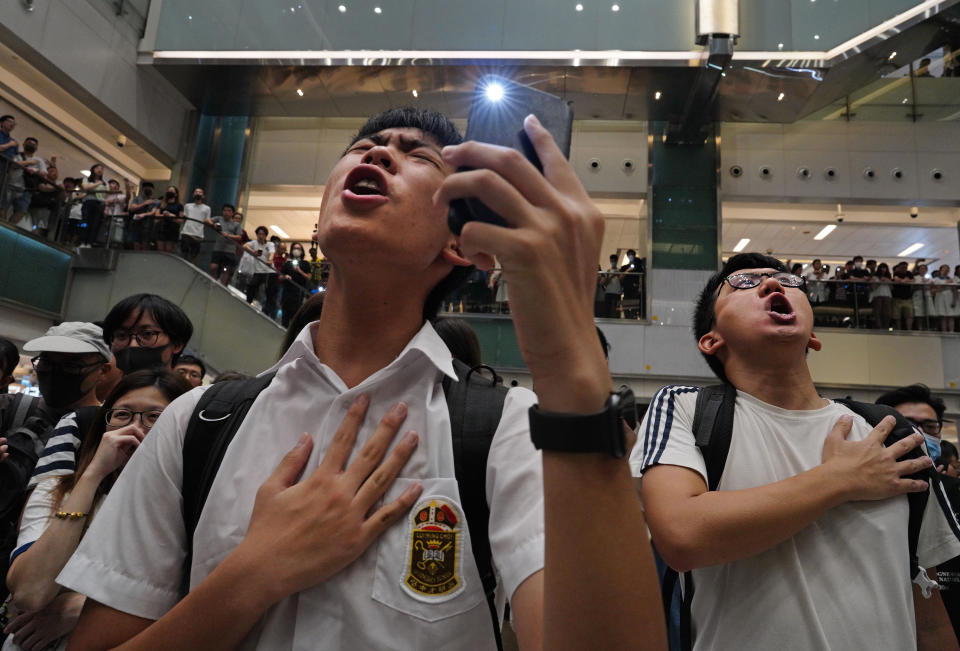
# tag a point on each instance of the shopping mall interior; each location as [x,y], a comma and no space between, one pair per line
[805,129]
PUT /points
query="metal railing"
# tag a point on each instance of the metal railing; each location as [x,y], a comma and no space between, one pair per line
[869,303]
[618,295]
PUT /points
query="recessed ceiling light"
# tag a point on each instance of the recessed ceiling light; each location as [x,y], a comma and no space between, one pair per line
[415,93]
[829,228]
[913,248]
[279,231]
[189,17]
[615,8]
[904,100]
[781,96]
[579,7]
[779,46]
[342,8]
[893,55]
[741,245]
[816,37]
[300,92]
[377,10]
[657,95]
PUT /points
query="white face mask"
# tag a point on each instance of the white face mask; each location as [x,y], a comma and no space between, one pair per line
[858,265]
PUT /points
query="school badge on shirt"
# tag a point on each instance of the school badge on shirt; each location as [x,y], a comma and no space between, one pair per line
[436,537]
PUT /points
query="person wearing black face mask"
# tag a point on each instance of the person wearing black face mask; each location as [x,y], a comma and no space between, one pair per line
[294,274]
[70,360]
[195,215]
[146,331]
[143,210]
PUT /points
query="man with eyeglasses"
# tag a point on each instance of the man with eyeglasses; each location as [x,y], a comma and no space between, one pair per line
[802,543]
[925,411]
[71,359]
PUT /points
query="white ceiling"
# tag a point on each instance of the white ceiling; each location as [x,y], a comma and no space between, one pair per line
[879,232]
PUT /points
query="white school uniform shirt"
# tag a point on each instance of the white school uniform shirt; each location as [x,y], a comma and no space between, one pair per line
[841,583]
[131,557]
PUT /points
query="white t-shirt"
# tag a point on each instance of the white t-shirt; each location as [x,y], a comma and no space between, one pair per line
[195,215]
[817,289]
[248,263]
[842,583]
[131,558]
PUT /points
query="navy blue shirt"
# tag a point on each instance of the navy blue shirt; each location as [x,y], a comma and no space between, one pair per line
[9,152]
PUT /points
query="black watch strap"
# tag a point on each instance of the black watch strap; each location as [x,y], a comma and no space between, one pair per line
[599,432]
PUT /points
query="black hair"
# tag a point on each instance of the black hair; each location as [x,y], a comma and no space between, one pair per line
[261,228]
[113,181]
[4,118]
[95,166]
[308,313]
[947,450]
[194,361]
[146,184]
[631,252]
[461,339]
[703,315]
[857,257]
[436,125]
[228,205]
[913,393]
[171,385]
[883,270]
[171,319]
[796,269]
[31,138]
[9,358]
[613,257]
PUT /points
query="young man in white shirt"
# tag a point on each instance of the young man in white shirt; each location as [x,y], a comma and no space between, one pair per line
[196,215]
[804,543]
[279,563]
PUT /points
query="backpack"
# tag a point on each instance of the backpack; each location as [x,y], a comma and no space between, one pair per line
[474,402]
[713,430]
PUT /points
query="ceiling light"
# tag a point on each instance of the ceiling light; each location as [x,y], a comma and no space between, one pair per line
[657,95]
[893,55]
[415,93]
[300,92]
[377,10]
[913,248]
[615,8]
[904,100]
[579,7]
[829,228]
[781,96]
[816,37]
[741,245]
[342,8]
[779,46]
[279,231]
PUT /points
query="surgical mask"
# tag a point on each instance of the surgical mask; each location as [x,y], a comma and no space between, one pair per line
[933,446]
[137,358]
[297,253]
[60,390]
[858,265]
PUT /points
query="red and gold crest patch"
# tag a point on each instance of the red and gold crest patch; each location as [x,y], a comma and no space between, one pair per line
[434,569]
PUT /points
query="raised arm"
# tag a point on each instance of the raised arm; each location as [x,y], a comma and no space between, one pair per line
[32,577]
[693,527]
[610,601]
[300,534]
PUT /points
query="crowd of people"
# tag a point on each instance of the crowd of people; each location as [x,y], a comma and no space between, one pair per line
[872,294]
[288,510]
[92,211]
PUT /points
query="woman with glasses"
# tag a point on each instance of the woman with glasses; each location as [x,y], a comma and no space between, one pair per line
[42,614]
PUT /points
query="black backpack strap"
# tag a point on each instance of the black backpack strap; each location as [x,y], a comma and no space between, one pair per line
[713,428]
[212,426]
[873,414]
[475,403]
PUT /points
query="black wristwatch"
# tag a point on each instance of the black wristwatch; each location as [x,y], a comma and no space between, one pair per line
[599,432]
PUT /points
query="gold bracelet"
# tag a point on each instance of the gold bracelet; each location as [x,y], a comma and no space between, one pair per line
[69,515]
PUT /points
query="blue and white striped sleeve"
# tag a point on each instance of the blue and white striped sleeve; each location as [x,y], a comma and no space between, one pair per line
[59,456]
[666,434]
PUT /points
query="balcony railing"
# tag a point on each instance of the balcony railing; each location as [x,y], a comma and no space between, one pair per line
[923,305]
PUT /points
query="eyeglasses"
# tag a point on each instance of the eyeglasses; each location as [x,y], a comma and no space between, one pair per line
[41,364]
[122,417]
[931,427]
[145,338]
[752,279]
